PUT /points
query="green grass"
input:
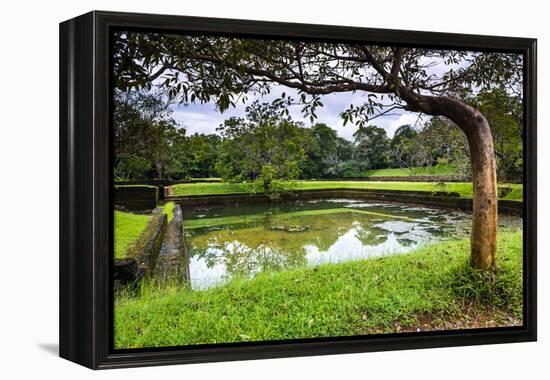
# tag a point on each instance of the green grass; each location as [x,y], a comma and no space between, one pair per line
[516,192]
[433,287]
[398,172]
[168,209]
[462,188]
[207,179]
[206,188]
[128,227]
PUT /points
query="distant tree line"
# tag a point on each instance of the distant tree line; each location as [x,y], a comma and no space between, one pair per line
[267,145]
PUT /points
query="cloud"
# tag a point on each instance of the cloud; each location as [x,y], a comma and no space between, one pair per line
[392,123]
[205,118]
[202,118]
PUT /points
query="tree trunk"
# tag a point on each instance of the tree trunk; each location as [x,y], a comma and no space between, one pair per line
[484,178]
[485,208]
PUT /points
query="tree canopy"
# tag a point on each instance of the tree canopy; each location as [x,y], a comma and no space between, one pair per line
[263,139]
[220,69]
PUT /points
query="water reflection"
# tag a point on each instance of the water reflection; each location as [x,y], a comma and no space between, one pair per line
[309,233]
[351,246]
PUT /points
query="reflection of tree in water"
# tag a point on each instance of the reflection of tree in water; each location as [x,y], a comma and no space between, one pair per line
[210,256]
[249,250]
[325,237]
[244,260]
[406,242]
[324,230]
[371,236]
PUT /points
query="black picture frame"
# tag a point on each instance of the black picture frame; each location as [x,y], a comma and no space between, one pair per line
[86,319]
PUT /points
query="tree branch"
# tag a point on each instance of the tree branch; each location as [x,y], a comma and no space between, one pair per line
[312,88]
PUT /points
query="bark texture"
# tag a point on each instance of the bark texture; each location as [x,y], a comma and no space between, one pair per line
[485,208]
[480,141]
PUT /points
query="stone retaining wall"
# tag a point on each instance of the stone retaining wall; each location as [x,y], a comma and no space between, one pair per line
[141,257]
[160,253]
[148,246]
[438,199]
[136,198]
[173,258]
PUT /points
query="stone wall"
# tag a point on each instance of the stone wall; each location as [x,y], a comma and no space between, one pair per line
[136,198]
[141,257]
[148,246]
[437,199]
[161,253]
[173,258]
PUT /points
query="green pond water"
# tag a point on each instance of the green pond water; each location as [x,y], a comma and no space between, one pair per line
[243,240]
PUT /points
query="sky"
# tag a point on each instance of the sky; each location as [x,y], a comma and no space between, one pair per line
[205,118]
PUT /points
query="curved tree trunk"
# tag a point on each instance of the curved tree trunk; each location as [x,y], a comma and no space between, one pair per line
[480,141]
[485,208]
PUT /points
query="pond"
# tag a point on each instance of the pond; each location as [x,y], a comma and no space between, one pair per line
[243,240]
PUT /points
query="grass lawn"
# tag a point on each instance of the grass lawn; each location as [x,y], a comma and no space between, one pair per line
[397,172]
[168,209]
[207,179]
[205,188]
[463,188]
[432,288]
[128,227]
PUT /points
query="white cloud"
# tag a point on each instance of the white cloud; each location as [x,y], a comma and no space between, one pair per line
[204,118]
[196,122]
[391,124]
